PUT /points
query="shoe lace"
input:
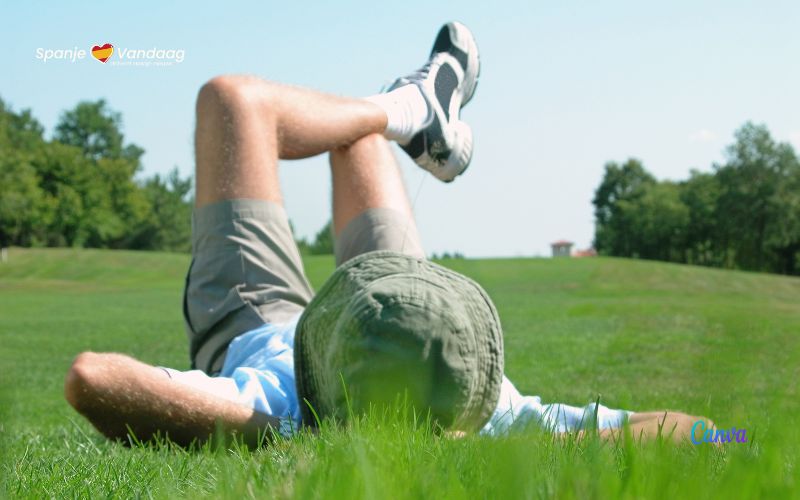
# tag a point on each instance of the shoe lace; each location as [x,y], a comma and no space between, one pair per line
[416,77]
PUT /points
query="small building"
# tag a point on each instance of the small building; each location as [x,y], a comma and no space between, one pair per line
[562,248]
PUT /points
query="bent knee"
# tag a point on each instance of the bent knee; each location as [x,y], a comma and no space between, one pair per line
[226,91]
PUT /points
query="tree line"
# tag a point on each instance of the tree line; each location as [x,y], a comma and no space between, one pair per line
[79,188]
[743,214]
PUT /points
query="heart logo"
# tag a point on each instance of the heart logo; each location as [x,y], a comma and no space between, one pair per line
[102,53]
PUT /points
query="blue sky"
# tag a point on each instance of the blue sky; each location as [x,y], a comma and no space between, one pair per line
[565,87]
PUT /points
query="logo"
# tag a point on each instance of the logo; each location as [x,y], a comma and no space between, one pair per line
[116,56]
[103,52]
[153,56]
[71,55]
[718,436]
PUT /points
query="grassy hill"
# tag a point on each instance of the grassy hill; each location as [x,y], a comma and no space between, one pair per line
[643,335]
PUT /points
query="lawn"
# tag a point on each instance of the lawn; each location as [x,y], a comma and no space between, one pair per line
[641,335]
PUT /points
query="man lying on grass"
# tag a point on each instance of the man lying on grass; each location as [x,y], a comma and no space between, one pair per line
[266,352]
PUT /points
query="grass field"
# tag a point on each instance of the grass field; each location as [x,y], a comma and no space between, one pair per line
[643,335]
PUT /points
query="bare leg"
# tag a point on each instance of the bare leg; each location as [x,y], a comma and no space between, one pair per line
[245,124]
[366,175]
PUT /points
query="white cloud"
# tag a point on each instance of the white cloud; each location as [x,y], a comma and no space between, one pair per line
[703,135]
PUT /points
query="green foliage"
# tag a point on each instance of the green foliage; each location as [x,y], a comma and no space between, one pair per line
[166,226]
[322,244]
[18,130]
[745,215]
[645,335]
[21,203]
[79,189]
[622,186]
[96,130]
[700,194]
[760,201]
[658,222]
[323,240]
[447,255]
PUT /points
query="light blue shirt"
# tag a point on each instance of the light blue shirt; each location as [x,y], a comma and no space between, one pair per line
[259,373]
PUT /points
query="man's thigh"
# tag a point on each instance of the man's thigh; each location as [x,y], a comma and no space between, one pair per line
[246,271]
[378,229]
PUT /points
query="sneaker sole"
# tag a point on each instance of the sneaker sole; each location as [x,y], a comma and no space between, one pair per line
[463,39]
[461,154]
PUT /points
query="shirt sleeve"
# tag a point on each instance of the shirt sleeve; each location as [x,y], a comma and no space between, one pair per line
[515,411]
[247,387]
[222,387]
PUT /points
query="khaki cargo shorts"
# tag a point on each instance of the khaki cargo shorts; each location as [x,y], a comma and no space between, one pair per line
[246,269]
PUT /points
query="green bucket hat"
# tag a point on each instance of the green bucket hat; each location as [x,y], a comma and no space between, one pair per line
[386,324]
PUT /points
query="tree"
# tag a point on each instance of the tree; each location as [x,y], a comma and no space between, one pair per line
[784,236]
[700,194]
[107,201]
[657,220]
[166,226]
[19,131]
[97,131]
[746,214]
[80,188]
[323,240]
[77,202]
[303,246]
[621,185]
[22,203]
[758,203]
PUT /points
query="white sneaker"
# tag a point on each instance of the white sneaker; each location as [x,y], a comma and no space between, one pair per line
[447,82]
